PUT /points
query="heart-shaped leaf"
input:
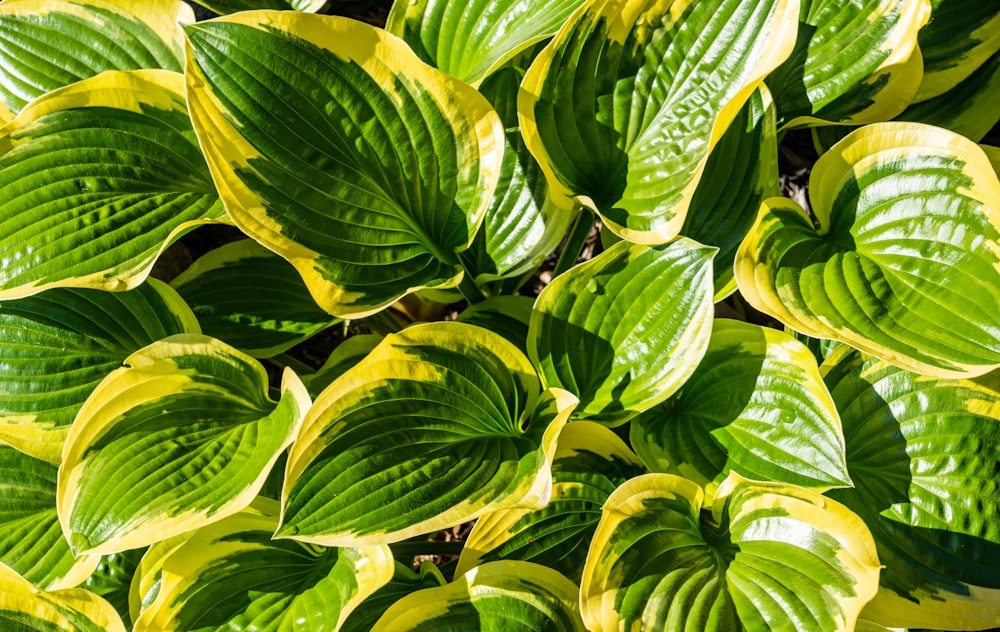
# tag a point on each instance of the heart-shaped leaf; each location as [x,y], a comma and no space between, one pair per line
[756,405]
[439,424]
[623,106]
[923,453]
[904,262]
[26,607]
[333,145]
[770,557]
[183,435]
[56,346]
[96,179]
[624,330]
[48,44]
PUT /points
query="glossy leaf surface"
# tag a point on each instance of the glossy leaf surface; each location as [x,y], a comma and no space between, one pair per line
[404,582]
[394,160]
[962,35]
[25,607]
[905,262]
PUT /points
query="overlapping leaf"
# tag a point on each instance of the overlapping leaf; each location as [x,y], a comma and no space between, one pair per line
[181,436]
[591,461]
[55,347]
[231,574]
[96,179]
[223,7]
[505,315]
[441,423]
[23,606]
[404,582]
[48,44]
[623,106]
[904,262]
[756,405]
[624,331]
[250,298]
[854,62]
[959,38]
[923,453]
[772,557]
[504,596]
[470,40]
[333,145]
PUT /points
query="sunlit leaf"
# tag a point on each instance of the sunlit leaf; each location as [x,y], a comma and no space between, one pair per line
[25,607]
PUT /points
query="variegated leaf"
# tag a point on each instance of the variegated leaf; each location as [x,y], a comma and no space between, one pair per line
[25,607]
[961,36]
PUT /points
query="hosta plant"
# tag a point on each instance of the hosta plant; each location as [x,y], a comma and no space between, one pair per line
[287,300]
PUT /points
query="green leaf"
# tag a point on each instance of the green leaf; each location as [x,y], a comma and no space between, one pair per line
[26,608]
[31,540]
[756,405]
[96,180]
[590,462]
[741,172]
[505,315]
[232,575]
[923,453]
[769,557]
[184,434]
[505,596]
[48,44]
[112,579]
[441,423]
[470,40]
[904,262]
[377,176]
[622,108]
[222,7]
[250,298]
[624,330]
[404,582]
[346,355]
[56,346]
[960,37]
[854,62]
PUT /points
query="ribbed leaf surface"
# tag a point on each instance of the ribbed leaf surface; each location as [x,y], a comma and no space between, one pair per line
[48,44]
[232,575]
[756,405]
[904,264]
[624,330]
[250,298]
[441,423]
[26,608]
[55,347]
[504,596]
[31,540]
[923,453]
[741,172]
[623,106]
[772,557]
[959,38]
[854,62]
[469,40]
[335,147]
[404,581]
[591,462]
[181,436]
[96,179]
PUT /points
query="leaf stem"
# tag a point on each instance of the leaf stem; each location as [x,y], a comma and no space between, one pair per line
[470,290]
[575,242]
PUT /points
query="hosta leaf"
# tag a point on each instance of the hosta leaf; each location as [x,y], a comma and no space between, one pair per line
[183,435]
[904,263]
[31,540]
[48,44]
[232,575]
[960,37]
[96,179]
[55,347]
[250,298]
[404,582]
[522,225]
[756,405]
[25,608]
[335,147]
[624,330]
[854,62]
[623,106]
[591,461]
[112,579]
[504,596]
[223,7]
[771,557]
[346,355]
[741,172]
[469,40]
[148,576]
[441,423]
[505,315]
[923,453]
